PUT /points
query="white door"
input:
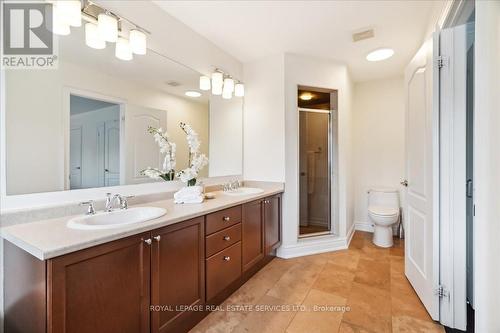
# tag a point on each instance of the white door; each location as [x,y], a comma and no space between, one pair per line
[75,159]
[112,153]
[421,252]
[141,149]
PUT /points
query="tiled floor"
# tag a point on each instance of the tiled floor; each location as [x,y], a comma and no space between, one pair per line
[308,294]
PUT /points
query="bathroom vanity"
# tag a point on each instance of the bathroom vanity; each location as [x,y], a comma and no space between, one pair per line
[161,276]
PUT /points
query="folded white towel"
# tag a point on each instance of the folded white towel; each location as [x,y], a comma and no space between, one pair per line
[190,194]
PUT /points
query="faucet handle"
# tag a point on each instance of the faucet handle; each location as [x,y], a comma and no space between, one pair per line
[124,201]
[91,208]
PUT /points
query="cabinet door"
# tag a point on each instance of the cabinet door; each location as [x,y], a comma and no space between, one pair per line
[101,289]
[253,234]
[272,221]
[178,276]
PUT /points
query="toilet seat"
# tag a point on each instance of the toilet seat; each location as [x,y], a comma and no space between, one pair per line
[383,211]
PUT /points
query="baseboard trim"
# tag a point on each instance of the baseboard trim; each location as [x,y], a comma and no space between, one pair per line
[350,234]
[305,247]
[364,226]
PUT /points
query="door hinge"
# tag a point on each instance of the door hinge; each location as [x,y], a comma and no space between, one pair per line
[441,292]
[442,61]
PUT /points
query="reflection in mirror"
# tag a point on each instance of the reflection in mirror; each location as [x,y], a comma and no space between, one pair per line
[84,124]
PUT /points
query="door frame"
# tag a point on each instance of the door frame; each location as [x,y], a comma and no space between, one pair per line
[66,120]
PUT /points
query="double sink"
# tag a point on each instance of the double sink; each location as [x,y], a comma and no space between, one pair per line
[122,217]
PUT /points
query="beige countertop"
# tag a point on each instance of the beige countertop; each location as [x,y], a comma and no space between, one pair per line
[51,238]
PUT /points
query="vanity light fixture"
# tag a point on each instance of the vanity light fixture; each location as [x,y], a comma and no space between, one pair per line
[239,90]
[70,11]
[217,83]
[137,41]
[192,93]
[107,26]
[60,25]
[228,84]
[92,38]
[380,54]
[205,83]
[123,50]
[227,94]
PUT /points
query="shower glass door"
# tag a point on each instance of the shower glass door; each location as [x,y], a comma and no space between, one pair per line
[315,171]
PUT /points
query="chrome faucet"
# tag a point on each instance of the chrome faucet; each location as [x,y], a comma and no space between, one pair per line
[122,201]
[231,186]
[90,209]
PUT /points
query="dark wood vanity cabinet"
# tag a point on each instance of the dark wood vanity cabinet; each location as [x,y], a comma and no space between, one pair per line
[177,276]
[101,289]
[158,281]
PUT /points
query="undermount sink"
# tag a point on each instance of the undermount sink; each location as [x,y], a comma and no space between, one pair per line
[116,218]
[244,191]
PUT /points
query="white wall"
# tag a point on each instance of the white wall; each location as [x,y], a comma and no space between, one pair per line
[264,120]
[226,137]
[40,140]
[487,166]
[379,140]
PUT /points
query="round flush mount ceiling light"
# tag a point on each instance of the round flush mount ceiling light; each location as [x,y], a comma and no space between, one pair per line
[306,96]
[380,54]
[192,93]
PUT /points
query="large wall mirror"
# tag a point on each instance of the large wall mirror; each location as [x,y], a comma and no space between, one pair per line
[85,124]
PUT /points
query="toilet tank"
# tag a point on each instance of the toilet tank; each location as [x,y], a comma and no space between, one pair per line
[386,197]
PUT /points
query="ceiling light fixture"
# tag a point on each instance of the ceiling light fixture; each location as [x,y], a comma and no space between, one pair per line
[71,12]
[192,93]
[217,83]
[222,84]
[60,25]
[380,54]
[306,96]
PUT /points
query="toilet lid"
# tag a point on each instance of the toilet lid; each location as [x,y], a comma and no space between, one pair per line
[383,211]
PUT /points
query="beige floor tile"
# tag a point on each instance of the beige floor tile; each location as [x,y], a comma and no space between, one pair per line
[335,280]
[370,308]
[404,324]
[405,304]
[350,328]
[219,322]
[374,274]
[295,283]
[267,321]
[322,313]
[346,258]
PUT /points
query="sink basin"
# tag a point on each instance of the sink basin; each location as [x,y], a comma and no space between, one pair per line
[244,191]
[116,218]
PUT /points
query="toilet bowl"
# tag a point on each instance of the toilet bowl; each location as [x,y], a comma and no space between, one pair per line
[383,212]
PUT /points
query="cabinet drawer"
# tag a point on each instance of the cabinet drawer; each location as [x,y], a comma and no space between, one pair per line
[222,269]
[222,239]
[222,219]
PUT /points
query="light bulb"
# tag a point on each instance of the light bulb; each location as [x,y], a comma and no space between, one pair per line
[226,94]
[137,41]
[107,26]
[239,90]
[217,82]
[59,25]
[92,38]
[229,84]
[204,82]
[71,12]
[123,50]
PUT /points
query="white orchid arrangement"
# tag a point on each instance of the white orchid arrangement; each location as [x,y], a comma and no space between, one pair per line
[197,161]
[166,147]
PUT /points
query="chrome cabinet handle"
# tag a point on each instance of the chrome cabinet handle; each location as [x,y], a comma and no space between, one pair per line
[267,201]
[227,258]
[226,218]
[148,241]
[157,238]
[226,238]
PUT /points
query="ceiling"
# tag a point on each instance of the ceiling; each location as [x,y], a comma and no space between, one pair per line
[250,30]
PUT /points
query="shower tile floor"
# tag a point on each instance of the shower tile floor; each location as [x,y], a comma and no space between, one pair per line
[362,289]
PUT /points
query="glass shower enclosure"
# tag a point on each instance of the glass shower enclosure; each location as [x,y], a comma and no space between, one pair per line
[316,131]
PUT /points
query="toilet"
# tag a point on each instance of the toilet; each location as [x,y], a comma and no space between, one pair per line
[383,212]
